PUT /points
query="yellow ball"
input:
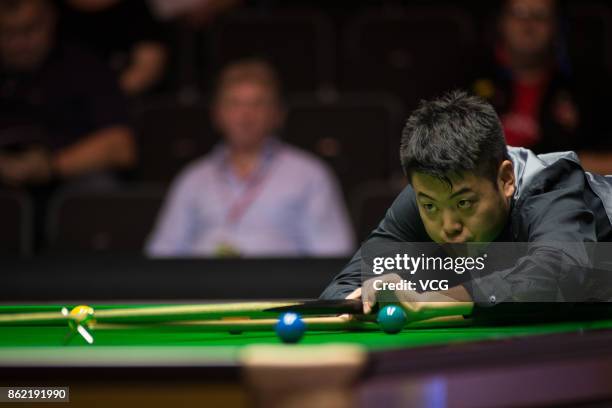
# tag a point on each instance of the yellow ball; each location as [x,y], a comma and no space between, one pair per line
[81,314]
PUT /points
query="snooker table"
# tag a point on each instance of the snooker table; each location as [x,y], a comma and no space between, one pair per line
[452,363]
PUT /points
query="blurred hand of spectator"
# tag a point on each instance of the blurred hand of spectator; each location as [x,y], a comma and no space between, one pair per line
[109,148]
[33,166]
[146,68]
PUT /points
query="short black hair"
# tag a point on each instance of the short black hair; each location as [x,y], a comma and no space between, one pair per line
[451,135]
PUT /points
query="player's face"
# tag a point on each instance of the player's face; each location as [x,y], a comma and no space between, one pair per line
[247,113]
[528,26]
[473,209]
[26,36]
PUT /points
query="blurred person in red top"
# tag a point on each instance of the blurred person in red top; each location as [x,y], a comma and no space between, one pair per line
[544,105]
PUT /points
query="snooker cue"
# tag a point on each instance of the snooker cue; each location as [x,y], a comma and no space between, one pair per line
[327,323]
[156,313]
[194,312]
[504,313]
[249,310]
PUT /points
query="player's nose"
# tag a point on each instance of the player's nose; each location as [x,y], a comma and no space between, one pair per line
[451,227]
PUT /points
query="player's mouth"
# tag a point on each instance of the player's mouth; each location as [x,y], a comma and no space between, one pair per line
[457,241]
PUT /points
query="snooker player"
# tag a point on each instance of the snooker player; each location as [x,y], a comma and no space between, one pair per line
[467,186]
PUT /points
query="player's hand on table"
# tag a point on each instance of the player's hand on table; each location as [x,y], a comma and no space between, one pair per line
[416,305]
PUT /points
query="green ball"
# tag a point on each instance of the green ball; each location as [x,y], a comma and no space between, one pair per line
[392,319]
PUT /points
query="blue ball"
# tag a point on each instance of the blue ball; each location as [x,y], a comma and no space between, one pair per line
[392,319]
[290,327]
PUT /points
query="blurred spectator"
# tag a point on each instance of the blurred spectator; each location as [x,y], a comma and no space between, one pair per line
[253,194]
[124,34]
[542,103]
[62,114]
[62,117]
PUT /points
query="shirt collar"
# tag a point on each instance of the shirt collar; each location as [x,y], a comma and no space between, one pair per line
[221,151]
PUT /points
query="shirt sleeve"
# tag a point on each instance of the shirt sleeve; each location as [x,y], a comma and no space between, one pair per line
[557,224]
[327,227]
[402,223]
[175,229]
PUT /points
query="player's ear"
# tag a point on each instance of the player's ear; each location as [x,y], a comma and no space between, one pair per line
[505,179]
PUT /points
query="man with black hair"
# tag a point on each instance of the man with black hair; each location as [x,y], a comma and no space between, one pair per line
[467,186]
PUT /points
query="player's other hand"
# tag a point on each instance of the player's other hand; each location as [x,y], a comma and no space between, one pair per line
[356,294]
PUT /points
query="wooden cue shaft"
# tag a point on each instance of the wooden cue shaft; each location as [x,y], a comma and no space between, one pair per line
[157,313]
[312,323]
[188,312]
[335,323]
[31,317]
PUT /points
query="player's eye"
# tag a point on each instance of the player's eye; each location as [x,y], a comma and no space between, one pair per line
[464,204]
[429,207]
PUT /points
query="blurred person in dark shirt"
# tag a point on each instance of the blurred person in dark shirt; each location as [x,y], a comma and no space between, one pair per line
[63,120]
[543,103]
[62,115]
[122,33]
